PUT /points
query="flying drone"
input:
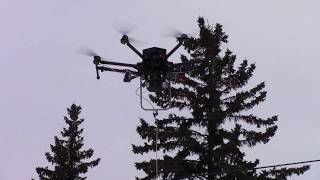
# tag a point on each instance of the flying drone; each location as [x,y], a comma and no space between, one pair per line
[155,71]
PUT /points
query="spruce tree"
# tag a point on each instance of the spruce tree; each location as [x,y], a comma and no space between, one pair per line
[67,158]
[201,145]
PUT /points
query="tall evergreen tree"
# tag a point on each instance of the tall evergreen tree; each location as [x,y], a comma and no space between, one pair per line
[202,146]
[67,156]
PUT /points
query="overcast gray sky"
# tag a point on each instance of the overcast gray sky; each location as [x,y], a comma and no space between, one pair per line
[41,74]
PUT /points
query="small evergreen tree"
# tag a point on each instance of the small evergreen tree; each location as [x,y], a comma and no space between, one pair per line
[202,146]
[67,156]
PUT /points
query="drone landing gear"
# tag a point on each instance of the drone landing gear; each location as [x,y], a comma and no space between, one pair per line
[142,84]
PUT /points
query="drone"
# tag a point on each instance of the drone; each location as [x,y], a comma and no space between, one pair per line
[154,69]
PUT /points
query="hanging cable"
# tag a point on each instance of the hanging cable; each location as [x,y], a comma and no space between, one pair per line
[155,113]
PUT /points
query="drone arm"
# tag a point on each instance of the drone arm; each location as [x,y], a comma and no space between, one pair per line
[97,71]
[128,74]
[101,68]
[188,66]
[125,40]
[174,49]
[192,61]
[134,50]
[118,64]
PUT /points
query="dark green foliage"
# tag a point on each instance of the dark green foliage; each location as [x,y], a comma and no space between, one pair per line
[202,146]
[67,156]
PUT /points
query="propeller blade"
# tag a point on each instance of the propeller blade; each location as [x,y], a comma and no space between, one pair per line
[135,41]
[124,28]
[174,33]
[87,52]
[169,33]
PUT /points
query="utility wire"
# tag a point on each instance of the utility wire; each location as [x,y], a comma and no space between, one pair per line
[264,167]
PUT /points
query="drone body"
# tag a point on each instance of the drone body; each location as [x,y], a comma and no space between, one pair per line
[154,69]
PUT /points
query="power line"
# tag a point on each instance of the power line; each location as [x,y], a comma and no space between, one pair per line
[265,167]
